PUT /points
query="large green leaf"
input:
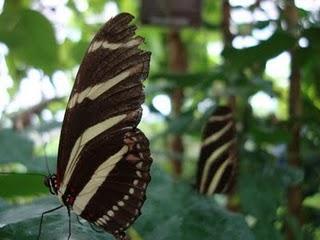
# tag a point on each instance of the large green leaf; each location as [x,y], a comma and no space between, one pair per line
[312,201]
[187,79]
[30,38]
[265,50]
[172,211]
[262,188]
[71,53]
[21,185]
[176,211]
[22,222]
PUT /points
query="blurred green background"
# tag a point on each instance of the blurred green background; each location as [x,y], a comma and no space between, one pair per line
[260,56]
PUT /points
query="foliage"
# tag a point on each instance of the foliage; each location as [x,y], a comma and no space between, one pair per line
[185,216]
[30,32]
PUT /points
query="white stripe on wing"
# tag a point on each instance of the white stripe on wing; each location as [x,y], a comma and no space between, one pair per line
[97,179]
[85,137]
[97,90]
[113,46]
[214,156]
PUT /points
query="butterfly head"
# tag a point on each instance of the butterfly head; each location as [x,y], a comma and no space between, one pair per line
[51,182]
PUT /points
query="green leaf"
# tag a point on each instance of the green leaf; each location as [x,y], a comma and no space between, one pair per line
[262,24]
[71,53]
[174,210]
[180,124]
[30,38]
[312,34]
[262,185]
[312,201]
[267,134]
[265,50]
[21,185]
[186,216]
[187,79]
[22,222]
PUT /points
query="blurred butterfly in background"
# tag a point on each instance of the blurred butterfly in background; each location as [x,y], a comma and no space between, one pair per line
[217,160]
[104,159]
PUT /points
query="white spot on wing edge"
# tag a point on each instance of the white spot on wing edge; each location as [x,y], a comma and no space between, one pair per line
[135,182]
[126,197]
[110,213]
[139,165]
[139,174]
[102,220]
[106,217]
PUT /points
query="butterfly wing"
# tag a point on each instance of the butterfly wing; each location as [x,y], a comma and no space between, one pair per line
[101,152]
[217,156]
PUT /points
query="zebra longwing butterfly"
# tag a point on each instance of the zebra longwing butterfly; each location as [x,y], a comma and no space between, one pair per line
[104,159]
[217,156]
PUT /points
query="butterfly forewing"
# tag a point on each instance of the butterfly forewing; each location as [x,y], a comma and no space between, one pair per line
[103,158]
[217,156]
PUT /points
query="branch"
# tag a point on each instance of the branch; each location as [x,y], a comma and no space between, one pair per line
[22,119]
[295,113]
[178,64]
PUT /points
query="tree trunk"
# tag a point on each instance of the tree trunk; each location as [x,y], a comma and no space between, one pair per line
[227,42]
[225,24]
[177,64]
[295,113]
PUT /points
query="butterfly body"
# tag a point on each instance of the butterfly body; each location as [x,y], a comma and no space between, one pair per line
[104,159]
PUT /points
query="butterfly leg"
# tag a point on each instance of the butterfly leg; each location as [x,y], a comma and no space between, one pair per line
[93,227]
[69,235]
[42,215]
[79,220]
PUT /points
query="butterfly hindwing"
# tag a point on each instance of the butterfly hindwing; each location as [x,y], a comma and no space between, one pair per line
[117,202]
[101,152]
[217,156]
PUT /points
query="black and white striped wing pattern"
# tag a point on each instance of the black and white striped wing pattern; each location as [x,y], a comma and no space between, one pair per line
[104,159]
[217,156]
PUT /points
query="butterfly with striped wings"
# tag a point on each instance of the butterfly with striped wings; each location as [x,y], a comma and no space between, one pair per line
[217,156]
[104,159]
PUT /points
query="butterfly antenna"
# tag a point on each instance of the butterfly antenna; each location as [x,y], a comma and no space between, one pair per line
[46,158]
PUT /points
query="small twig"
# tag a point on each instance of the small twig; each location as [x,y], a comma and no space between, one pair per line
[23,118]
